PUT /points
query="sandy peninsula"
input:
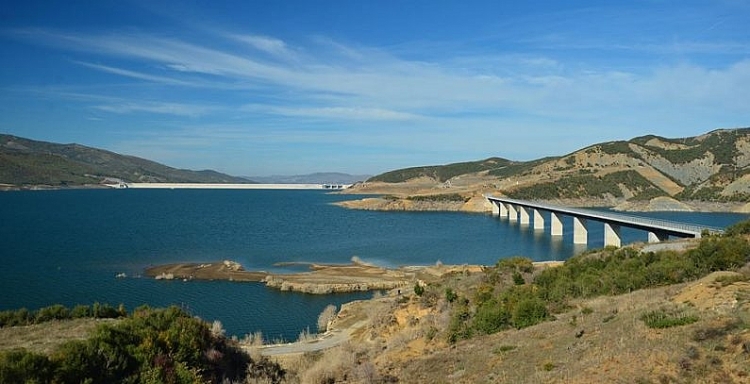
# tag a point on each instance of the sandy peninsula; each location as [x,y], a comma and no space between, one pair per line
[320,279]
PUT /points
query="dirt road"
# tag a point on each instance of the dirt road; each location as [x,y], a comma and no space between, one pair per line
[325,341]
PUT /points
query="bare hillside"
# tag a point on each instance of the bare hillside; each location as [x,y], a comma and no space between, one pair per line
[714,167]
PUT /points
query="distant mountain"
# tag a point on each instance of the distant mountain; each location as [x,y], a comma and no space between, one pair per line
[25,162]
[314,178]
[710,167]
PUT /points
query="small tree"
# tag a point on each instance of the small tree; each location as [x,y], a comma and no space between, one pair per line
[418,289]
[450,295]
[325,317]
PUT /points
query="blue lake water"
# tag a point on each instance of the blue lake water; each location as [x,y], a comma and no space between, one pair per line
[67,246]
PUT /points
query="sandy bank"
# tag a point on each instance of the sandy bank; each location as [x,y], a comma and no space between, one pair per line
[321,279]
[219,270]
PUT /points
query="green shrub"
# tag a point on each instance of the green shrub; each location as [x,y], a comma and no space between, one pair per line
[151,346]
[11,318]
[587,185]
[53,312]
[459,328]
[418,289]
[528,312]
[80,312]
[21,366]
[720,253]
[450,295]
[106,311]
[491,317]
[663,319]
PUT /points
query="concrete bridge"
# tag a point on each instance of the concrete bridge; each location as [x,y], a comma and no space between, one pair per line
[658,230]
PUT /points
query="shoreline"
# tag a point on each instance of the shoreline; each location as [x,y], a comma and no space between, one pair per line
[476,204]
[321,279]
[238,186]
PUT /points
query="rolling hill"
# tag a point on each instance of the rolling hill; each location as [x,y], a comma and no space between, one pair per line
[25,162]
[711,167]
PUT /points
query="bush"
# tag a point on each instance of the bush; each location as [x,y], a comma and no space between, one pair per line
[151,346]
[80,312]
[53,312]
[21,366]
[418,289]
[741,228]
[529,312]
[491,317]
[720,253]
[450,295]
[13,318]
[663,319]
[459,328]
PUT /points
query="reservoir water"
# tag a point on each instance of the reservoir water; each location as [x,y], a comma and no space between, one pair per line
[67,247]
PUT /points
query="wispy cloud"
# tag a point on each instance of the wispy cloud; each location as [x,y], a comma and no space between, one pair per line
[346,113]
[135,74]
[176,109]
[472,100]
[270,45]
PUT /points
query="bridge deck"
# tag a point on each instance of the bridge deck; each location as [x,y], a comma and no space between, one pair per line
[644,223]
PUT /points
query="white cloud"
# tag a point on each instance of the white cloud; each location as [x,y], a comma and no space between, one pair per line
[345,113]
[176,109]
[134,74]
[266,44]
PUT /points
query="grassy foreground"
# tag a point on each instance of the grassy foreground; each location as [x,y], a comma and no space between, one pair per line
[147,346]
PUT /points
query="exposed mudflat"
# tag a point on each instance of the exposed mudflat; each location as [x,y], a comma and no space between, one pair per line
[321,279]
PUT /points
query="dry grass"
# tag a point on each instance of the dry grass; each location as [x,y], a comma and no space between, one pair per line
[599,340]
[44,338]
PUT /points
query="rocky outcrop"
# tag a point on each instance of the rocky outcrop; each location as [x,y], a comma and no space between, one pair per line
[658,204]
[692,172]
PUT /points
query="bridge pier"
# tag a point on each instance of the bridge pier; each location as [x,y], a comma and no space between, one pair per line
[538,219]
[657,236]
[556,228]
[612,235]
[580,231]
[524,213]
[658,230]
[512,213]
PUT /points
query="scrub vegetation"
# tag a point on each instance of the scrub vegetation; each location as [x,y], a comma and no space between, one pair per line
[148,346]
[503,300]
[581,186]
[441,172]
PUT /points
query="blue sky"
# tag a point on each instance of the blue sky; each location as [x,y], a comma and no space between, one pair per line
[293,87]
